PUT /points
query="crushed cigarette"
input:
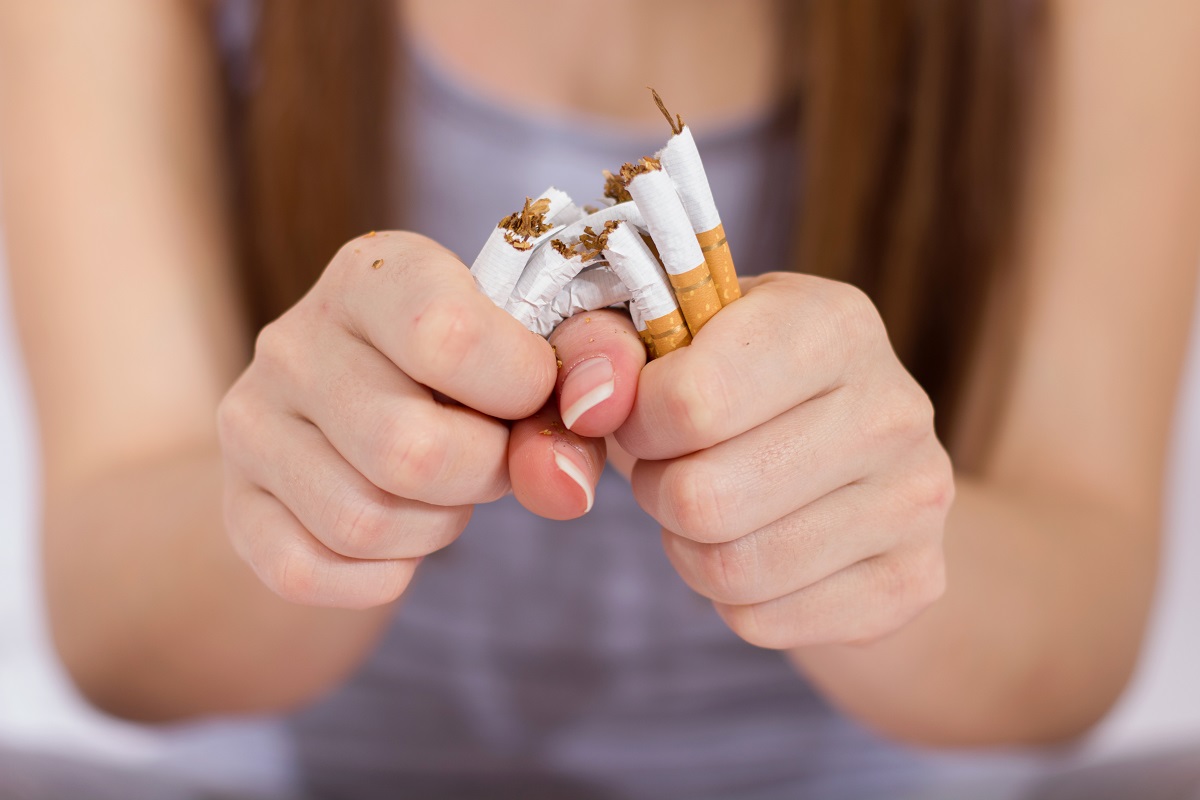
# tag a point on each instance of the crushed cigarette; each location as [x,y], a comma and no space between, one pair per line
[592,244]
[653,245]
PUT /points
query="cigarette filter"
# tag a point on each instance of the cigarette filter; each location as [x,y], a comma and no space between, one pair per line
[650,294]
[678,248]
[643,331]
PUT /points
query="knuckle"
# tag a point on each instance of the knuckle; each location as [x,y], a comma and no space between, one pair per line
[411,455]
[302,577]
[235,418]
[381,583]
[274,344]
[448,328]
[932,585]
[902,416]
[728,570]
[361,528]
[933,488]
[758,625]
[855,316]
[695,403]
[294,576]
[428,529]
[905,586]
[695,503]
[446,527]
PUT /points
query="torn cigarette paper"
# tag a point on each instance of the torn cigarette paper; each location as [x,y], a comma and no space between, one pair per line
[654,243]
[656,198]
[510,244]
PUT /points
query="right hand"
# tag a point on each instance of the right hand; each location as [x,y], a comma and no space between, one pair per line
[342,466]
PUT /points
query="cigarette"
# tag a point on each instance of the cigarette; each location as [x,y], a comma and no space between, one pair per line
[681,160]
[642,330]
[592,289]
[650,294]
[551,266]
[510,244]
[656,198]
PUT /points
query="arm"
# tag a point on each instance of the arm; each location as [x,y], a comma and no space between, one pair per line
[122,272]
[804,492]
[1052,545]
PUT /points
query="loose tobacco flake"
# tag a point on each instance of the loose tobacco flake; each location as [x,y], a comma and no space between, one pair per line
[528,223]
[614,188]
[676,123]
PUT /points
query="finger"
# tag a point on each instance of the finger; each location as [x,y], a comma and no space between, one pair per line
[837,438]
[553,471]
[417,303]
[342,509]
[861,603]
[601,357]
[736,487]
[296,566]
[788,339]
[789,554]
[389,428]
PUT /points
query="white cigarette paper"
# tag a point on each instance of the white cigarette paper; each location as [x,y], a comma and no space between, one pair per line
[681,160]
[547,270]
[506,252]
[592,289]
[651,299]
[680,251]
[666,220]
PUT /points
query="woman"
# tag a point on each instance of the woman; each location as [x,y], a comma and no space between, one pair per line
[789,457]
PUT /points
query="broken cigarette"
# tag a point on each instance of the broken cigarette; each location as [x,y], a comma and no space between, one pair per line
[643,332]
[650,293]
[592,289]
[656,198]
[681,160]
[511,243]
[551,266]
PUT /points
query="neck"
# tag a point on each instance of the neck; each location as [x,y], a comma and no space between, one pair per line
[713,60]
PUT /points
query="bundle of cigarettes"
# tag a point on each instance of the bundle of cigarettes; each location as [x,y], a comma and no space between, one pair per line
[654,244]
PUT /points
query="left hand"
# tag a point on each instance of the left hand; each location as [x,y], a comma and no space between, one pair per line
[788,455]
[793,465]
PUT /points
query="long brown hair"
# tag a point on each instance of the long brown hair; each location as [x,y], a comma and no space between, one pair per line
[910,123]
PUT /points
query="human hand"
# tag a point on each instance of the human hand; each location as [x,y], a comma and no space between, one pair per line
[343,467]
[793,465]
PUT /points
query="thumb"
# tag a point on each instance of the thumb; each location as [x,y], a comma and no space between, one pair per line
[553,471]
[601,357]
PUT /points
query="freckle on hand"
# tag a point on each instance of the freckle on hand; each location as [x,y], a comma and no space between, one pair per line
[377,263]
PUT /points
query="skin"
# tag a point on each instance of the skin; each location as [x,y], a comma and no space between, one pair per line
[798,481]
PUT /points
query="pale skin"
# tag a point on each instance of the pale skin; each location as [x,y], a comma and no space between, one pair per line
[799,482]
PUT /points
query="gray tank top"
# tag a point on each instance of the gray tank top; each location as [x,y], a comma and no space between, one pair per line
[537,659]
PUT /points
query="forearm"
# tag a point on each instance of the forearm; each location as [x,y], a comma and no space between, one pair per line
[1036,634]
[156,617]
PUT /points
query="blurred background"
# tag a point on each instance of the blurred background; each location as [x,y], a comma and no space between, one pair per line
[45,724]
